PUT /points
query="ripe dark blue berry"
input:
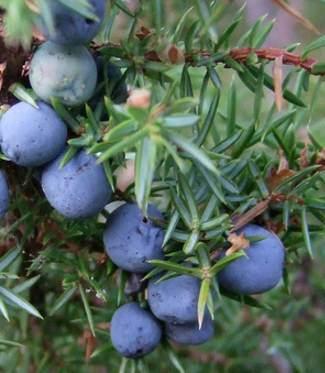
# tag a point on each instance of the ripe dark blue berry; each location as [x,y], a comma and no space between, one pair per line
[190,334]
[130,239]
[79,189]
[135,332]
[4,195]
[261,270]
[70,27]
[174,300]
[65,72]
[30,136]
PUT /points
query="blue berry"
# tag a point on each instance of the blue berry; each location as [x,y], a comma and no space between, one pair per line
[65,72]
[134,331]
[70,27]
[79,189]
[174,300]
[130,239]
[32,137]
[261,270]
[4,195]
[190,334]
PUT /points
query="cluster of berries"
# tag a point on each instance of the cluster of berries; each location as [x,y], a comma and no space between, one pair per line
[36,137]
[63,67]
[131,240]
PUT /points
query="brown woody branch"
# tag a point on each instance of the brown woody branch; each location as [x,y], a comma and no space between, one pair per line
[241,55]
[270,54]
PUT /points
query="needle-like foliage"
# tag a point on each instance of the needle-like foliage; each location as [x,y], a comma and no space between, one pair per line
[230,135]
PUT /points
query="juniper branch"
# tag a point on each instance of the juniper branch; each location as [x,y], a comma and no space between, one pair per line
[240,55]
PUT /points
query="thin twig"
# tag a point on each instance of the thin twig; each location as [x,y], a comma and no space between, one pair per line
[297,15]
[240,55]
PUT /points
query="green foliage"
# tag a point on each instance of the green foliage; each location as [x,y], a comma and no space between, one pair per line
[206,150]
